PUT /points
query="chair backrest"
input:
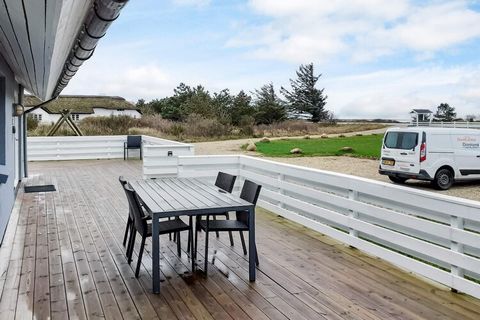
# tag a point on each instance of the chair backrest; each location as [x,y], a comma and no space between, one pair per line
[134,141]
[124,182]
[136,209]
[250,192]
[225,181]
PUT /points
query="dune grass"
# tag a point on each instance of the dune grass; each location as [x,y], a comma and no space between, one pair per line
[367,146]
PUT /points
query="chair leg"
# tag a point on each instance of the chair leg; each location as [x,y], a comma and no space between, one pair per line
[189,242]
[195,243]
[140,254]
[179,245]
[230,234]
[126,231]
[124,155]
[170,234]
[256,256]
[216,232]
[243,243]
[131,246]
[206,251]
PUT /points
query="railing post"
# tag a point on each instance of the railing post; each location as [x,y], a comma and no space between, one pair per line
[281,177]
[353,195]
[456,222]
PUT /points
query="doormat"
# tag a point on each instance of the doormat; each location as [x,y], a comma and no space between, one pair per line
[45,188]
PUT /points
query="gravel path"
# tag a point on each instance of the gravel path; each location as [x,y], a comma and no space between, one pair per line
[354,166]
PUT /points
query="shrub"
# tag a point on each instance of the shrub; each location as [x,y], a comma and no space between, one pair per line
[198,126]
[113,125]
[32,123]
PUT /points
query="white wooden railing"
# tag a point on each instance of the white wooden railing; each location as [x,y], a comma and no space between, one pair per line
[97,147]
[441,124]
[160,156]
[432,235]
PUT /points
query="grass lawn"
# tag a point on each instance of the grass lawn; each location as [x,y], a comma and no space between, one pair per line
[367,146]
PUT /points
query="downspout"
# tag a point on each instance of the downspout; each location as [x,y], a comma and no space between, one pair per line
[103,13]
[24,131]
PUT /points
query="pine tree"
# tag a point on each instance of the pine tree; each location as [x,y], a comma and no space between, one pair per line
[269,108]
[304,97]
[241,107]
[445,113]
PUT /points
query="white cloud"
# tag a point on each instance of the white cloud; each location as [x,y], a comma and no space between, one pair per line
[309,30]
[393,93]
[130,81]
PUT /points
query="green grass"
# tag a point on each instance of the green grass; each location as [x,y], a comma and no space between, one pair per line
[367,146]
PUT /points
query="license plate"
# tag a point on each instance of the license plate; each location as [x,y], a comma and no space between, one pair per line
[388,162]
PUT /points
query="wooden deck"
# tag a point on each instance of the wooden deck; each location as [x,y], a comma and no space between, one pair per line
[62,257]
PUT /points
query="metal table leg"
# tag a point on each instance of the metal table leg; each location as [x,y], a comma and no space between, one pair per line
[251,244]
[155,254]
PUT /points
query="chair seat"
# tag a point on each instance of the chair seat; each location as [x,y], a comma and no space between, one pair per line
[223,225]
[174,225]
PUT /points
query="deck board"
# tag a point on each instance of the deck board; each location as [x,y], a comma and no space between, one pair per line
[63,257]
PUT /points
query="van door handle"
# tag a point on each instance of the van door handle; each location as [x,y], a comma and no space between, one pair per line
[478,156]
[404,154]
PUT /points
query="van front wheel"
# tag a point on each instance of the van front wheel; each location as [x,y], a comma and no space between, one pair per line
[443,179]
[396,179]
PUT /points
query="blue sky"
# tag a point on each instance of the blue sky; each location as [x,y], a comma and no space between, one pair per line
[379,58]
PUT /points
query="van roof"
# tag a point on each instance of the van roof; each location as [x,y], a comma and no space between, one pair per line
[436,130]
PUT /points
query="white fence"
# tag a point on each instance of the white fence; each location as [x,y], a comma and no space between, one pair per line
[160,156]
[433,235]
[96,147]
[441,124]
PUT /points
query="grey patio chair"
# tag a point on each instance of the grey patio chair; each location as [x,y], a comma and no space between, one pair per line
[144,228]
[226,183]
[132,143]
[129,228]
[250,192]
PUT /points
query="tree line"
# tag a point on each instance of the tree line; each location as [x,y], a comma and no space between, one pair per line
[262,106]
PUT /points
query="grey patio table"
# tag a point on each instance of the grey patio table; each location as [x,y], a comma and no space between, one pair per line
[173,197]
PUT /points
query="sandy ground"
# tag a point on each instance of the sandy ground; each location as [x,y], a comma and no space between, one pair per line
[354,166]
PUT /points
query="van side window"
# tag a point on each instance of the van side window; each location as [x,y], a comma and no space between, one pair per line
[401,140]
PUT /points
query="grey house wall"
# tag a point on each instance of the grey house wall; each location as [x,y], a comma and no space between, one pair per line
[8,96]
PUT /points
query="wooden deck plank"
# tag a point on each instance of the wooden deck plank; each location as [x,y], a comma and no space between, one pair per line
[63,258]
[58,301]
[73,292]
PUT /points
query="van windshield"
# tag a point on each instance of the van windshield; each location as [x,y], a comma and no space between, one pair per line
[401,140]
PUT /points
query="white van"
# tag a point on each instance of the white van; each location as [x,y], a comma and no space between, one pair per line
[440,155]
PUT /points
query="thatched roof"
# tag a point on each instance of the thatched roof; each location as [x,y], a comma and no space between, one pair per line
[81,104]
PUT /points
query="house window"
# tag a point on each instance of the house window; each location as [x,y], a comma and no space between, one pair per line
[75,117]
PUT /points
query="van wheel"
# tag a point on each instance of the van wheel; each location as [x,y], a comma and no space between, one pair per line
[443,179]
[397,179]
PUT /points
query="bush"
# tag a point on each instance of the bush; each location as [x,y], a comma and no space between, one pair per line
[32,123]
[198,126]
[113,125]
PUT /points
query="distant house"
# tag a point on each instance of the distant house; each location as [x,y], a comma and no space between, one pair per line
[81,107]
[421,115]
